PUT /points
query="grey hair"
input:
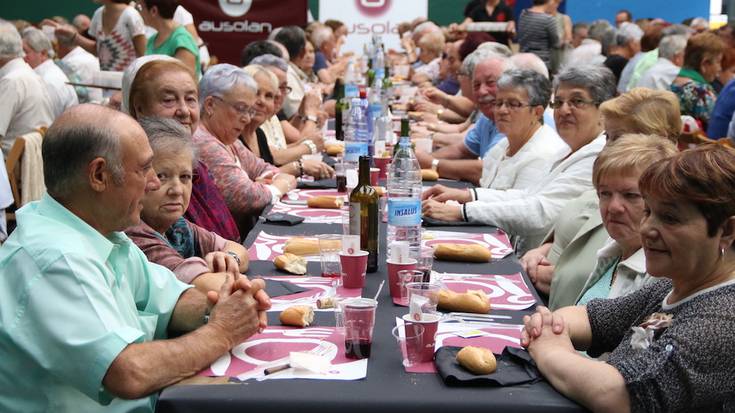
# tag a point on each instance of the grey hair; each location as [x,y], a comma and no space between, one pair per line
[505,62]
[598,80]
[68,148]
[286,56]
[603,32]
[472,59]
[671,45]
[11,45]
[628,32]
[167,137]
[219,79]
[38,41]
[677,29]
[268,60]
[699,22]
[497,48]
[427,26]
[320,35]
[530,61]
[536,85]
[254,70]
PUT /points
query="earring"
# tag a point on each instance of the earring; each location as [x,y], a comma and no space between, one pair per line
[722,252]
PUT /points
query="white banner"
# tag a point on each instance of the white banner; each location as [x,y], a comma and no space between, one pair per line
[367,17]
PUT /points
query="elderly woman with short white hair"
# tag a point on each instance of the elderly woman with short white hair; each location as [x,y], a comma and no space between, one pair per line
[227,95]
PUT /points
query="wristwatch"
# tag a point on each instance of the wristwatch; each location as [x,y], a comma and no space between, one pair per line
[311,118]
[434,164]
[310,145]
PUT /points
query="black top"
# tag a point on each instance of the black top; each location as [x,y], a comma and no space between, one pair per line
[263,147]
[501,13]
[471,6]
[616,63]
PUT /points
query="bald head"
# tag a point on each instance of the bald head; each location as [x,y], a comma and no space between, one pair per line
[77,137]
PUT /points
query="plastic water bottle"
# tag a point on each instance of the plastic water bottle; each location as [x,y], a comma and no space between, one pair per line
[356,141]
[375,108]
[351,80]
[404,199]
[379,62]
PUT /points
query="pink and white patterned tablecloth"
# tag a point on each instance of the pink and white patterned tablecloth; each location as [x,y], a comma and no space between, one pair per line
[317,287]
[497,241]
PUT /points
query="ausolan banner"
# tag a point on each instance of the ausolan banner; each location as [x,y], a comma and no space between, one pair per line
[228,25]
[367,17]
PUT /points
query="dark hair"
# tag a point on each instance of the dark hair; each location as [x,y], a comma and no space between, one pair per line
[703,176]
[701,47]
[627,14]
[333,24]
[258,48]
[166,8]
[293,38]
[121,1]
[539,2]
[471,42]
[651,37]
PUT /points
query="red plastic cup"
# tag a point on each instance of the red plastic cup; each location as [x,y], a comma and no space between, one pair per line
[382,165]
[393,281]
[374,176]
[358,320]
[354,267]
[430,323]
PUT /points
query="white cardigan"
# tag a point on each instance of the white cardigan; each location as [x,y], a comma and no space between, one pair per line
[528,166]
[529,214]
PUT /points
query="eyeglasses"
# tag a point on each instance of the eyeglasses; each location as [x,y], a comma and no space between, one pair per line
[575,103]
[510,104]
[240,108]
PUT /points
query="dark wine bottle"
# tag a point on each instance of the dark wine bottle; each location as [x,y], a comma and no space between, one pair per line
[340,107]
[364,214]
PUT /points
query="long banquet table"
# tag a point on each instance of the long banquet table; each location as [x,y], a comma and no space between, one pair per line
[387,387]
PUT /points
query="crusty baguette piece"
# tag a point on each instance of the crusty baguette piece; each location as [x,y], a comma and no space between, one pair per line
[462,252]
[325,202]
[478,360]
[334,149]
[291,263]
[429,175]
[380,190]
[307,246]
[297,316]
[472,301]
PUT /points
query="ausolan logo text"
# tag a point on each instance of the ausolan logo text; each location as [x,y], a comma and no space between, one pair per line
[243,26]
[376,28]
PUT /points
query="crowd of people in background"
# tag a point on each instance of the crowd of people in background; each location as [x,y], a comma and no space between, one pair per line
[602,149]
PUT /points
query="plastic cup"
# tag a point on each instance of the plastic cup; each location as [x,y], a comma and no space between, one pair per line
[428,324]
[410,343]
[393,280]
[382,165]
[374,176]
[354,267]
[329,248]
[406,277]
[423,297]
[426,262]
[357,320]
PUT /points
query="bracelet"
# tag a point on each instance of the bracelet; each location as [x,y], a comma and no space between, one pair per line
[434,164]
[234,255]
[301,167]
[310,145]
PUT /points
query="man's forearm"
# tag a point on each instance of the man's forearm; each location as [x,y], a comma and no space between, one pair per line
[189,311]
[461,169]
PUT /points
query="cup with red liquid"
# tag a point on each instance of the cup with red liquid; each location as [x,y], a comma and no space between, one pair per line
[356,320]
[382,165]
[329,247]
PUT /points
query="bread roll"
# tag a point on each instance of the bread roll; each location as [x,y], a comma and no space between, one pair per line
[429,175]
[477,360]
[326,302]
[334,149]
[291,263]
[380,190]
[472,301]
[297,316]
[462,252]
[325,202]
[308,246]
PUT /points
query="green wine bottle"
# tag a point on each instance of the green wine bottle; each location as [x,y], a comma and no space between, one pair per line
[340,107]
[364,214]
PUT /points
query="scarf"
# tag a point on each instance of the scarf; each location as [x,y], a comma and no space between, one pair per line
[692,74]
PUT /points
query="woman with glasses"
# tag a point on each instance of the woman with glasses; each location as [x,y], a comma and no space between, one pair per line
[528,214]
[162,86]
[255,138]
[561,266]
[226,98]
[527,153]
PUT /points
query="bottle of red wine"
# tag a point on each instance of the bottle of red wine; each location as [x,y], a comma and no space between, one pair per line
[364,214]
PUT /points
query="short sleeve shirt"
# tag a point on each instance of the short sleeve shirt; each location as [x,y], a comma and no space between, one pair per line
[69,304]
[180,38]
[320,62]
[116,49]
[483,136]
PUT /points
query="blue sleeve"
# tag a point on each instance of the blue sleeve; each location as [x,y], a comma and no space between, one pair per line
[472,139]
[320,62]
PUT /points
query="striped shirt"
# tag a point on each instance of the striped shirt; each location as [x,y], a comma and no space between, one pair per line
[537,34]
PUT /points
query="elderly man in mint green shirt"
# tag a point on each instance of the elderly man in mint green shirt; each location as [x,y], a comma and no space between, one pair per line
[84,317]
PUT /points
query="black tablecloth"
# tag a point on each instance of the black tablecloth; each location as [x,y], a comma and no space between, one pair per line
[387,387]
